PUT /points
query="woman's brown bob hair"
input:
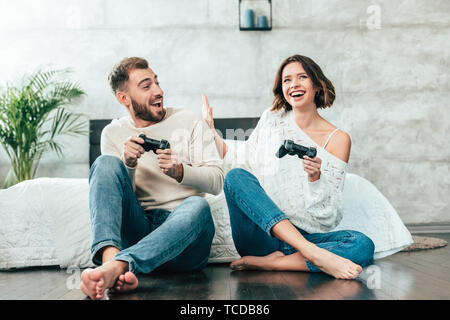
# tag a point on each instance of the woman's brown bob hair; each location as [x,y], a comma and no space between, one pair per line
[324,97]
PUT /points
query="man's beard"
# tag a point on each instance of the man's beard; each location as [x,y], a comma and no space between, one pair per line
[142,112]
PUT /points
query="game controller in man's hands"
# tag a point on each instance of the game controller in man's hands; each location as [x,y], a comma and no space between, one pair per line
[152,144]
[291,148]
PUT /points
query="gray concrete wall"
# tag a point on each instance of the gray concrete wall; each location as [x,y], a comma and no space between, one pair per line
[389,62]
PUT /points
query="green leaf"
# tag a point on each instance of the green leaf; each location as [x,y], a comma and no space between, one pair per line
[32,116]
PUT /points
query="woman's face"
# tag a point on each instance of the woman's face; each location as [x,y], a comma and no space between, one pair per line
[298,89]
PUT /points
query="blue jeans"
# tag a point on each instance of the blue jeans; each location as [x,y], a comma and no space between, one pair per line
[253,214]
[178,240]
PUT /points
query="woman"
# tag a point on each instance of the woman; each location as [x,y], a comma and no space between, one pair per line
[281,209]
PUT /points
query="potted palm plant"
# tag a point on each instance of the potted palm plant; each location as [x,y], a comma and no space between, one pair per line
[32,116]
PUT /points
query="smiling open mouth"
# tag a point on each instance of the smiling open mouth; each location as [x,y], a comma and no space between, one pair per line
[297,94]
[157,104]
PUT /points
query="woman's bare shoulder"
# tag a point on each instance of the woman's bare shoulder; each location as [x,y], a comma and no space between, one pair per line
[340,145]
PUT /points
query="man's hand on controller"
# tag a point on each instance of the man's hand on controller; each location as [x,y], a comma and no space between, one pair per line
[132,151]
[169,164]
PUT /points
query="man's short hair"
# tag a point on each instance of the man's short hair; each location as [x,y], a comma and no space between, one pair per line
[120,74]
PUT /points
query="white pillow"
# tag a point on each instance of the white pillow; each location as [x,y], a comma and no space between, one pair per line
[230,161]
[222,249]
[67,204]
[25,236]
[367,210]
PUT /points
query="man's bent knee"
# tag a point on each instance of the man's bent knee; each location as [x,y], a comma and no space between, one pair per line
[108,162]
[198,207]
[109,165]
[202,214]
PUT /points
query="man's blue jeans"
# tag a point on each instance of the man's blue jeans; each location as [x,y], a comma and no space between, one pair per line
[253,214]
[159,239]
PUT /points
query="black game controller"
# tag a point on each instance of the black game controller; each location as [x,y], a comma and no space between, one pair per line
[291,148]
[152,144]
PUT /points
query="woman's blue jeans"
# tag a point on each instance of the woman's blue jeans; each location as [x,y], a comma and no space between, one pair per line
[253,214]
[178,240]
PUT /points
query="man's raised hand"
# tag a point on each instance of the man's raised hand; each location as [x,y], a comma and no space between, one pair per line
[207,112]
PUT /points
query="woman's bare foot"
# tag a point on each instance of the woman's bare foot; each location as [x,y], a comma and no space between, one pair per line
[125,283]
[334,265]
[94,282]
[326,261]
[257,263]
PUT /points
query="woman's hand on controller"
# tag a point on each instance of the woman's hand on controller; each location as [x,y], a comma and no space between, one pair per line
[207,112]
[132,151]
[312,167]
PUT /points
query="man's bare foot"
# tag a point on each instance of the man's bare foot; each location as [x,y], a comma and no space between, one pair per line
[125,283]
[94,282]
[256,263]
[334,265]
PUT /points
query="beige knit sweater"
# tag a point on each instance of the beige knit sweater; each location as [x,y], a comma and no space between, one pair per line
[194,144]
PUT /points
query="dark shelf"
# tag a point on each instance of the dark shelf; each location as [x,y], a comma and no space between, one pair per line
[255,29]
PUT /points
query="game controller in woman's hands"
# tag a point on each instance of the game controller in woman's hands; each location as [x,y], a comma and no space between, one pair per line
[291,148]
[152,144]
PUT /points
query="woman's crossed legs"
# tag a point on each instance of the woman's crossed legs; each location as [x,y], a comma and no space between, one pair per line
[267,240]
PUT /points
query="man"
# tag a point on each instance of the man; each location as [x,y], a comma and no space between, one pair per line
[147,210]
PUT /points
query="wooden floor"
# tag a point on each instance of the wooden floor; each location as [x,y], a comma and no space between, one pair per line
[416,275]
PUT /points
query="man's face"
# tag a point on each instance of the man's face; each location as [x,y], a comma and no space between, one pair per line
[146,95]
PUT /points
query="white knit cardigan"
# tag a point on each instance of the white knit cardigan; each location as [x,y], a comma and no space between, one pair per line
[315,207]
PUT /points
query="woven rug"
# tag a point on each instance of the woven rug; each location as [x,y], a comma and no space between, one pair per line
[424,243]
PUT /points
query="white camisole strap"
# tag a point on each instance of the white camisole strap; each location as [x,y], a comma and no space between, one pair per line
[329,137]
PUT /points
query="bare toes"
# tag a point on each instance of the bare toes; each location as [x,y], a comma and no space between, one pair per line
[119,283]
